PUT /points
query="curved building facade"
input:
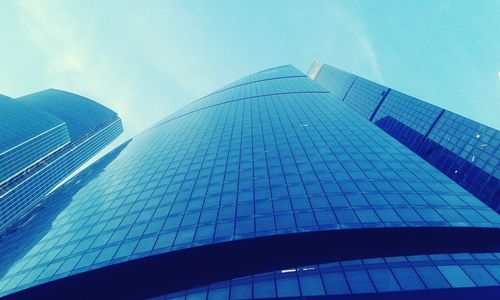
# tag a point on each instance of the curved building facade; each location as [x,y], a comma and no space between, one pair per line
[44,137]
[27,134]
[81,115]
[264,188]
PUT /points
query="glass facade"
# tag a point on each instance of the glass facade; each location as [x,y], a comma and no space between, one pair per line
[365,97]
[55,133]
[230,195]
[27,134]
[464,150]
[338,82]
[418,117]
[81,115]
[411,274]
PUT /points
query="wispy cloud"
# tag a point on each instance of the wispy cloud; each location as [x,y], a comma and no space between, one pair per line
[131,74]
[369,52]
[72,61]
[349,33]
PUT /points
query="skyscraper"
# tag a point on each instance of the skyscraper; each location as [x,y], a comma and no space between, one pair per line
[268,187]
[44,138]
[465,150]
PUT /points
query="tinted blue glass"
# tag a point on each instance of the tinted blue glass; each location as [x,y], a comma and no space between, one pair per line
[494,270]
[408,279]
[467,152]
[257,160]
[479,275]
[81,115]
[432,277]
[27,121]
[47,156]
[27,191]
[242,291]
[264,289]
[215,294]
[383,280]
[406,118]
[359,281]
[311,285]
[456,276]
[26,136]
[269,74]
[410,272]
[365,97]
[335,283]
[288,287]
[336,81]
[464,150]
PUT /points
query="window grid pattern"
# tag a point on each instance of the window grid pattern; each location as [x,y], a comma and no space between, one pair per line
[80,114]
[469,153]
[273,73]
[389,274]
[410,111]
[464,150]
[246,167]
[280,85]
[27,135]
[83,127]
[337,81]
[364,96]
[19,160]
[29,191]
[406,118]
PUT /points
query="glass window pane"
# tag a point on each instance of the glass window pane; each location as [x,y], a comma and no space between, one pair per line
[335,283]
[311,285]
[359,282]
[408,279]
[384,280]
[456,276]
[264,289]
[288,287]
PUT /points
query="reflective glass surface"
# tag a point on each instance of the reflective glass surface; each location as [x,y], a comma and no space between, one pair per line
[26,135]
[3,97]
[365,97]
[389,274]
[81,115]
[23,194]
[269,156]
[465,150]
[336,81]
[406,118]
[44,154]
[469,153]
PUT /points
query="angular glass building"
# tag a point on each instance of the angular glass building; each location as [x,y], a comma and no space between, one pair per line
[268,187]
[466,151]
[44,137]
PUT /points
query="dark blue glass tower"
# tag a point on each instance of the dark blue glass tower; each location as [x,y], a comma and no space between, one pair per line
[44,137]
[466,151]
[265,188]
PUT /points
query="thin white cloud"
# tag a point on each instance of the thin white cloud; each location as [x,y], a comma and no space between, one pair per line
[350,33]
[71,61]
[78,57]
[369,52]
[121,72]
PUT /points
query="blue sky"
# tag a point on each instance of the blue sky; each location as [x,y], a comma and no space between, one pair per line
[145,59]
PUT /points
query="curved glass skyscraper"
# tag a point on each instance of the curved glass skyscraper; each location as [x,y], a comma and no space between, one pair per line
[44,137]
[268,187]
